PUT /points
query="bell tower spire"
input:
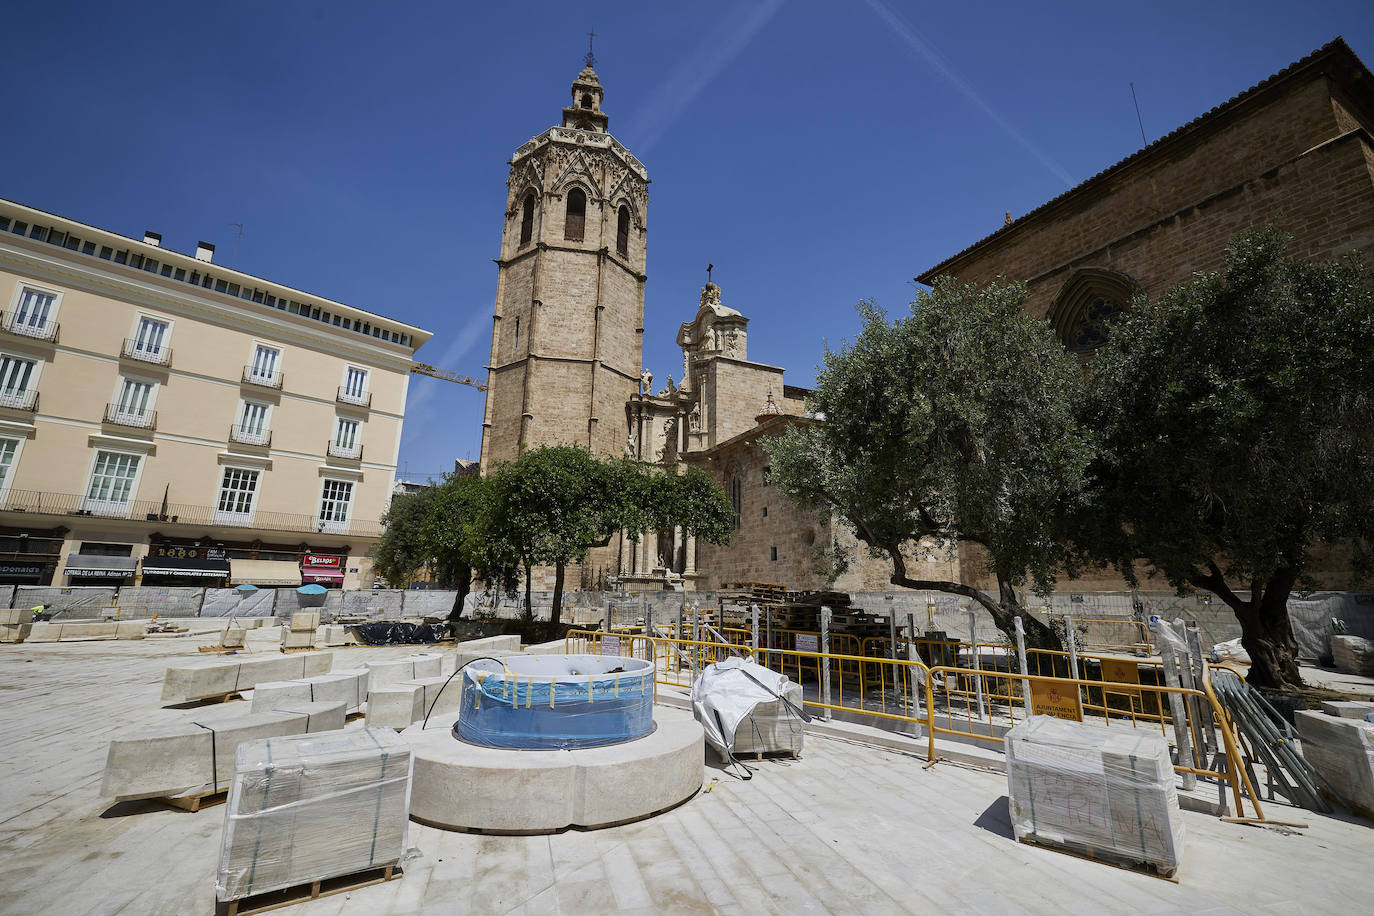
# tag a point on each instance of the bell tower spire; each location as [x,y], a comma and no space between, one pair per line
[585,111]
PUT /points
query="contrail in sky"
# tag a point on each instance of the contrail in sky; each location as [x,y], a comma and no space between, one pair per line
[647,126]
[928,53]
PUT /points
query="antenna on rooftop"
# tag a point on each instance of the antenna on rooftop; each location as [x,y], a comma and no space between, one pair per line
[1137,116]
[238,237]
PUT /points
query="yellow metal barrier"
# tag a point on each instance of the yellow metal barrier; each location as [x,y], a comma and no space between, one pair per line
[1106,633]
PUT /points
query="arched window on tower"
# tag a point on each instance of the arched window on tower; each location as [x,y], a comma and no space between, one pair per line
[586,100]
[575,223]
[527,220]
[622,232]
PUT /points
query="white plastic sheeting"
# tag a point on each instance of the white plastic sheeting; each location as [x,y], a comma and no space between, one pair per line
[310,807]
[1109,793]
[728,692]
[1342,751]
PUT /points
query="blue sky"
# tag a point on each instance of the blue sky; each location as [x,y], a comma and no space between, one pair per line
[816,152]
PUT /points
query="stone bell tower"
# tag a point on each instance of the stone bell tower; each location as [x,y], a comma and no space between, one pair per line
[567,334]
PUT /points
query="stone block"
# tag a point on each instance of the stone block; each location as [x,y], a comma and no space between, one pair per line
[772,727]
[1342,751]
[233,638]
[270,695]
[400,670]
[436,699]
[320,716]
[1347,709]
[1352,654]
[297,639]
[217,677]
[305,620]
[13,616]
[192,757]
[346,687]
[15,632]
[66,631]
[395,705]
[332,635]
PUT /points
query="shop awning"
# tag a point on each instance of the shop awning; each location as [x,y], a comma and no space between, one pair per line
[264,572]
[188,567]
[97,567]
[322,574]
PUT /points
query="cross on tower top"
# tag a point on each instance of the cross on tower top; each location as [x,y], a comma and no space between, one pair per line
[591,58]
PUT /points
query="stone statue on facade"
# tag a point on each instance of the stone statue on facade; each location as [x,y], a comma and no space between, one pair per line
[630,445]
[694,418]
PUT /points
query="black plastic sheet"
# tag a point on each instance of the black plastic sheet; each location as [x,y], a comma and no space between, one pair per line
[398,634]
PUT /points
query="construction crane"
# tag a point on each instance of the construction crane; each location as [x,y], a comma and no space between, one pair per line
[444,374]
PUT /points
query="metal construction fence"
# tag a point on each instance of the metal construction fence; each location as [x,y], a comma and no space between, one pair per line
[967,692]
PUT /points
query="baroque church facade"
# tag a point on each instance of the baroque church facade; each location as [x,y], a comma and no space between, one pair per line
[566,367]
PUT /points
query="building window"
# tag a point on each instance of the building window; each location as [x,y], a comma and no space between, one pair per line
[334,504]
[517,332]
[9,449]
[1093,326]
[345,444]
[575,224]
[253,428]
[17,377]
[773,554]
[33,313]
[135,401]
[765,511]
[150,340]
[622,232]
[767,476]
[354,390]
[236,492]
[736,499]
[112,483]
[527,220]
[264,368]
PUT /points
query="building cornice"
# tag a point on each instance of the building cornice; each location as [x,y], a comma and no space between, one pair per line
[586,139]
[257,318]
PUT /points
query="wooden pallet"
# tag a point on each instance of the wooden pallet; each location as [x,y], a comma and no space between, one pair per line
[294,649]
[312,890]
[1089,854]
[226,650]
[194,803]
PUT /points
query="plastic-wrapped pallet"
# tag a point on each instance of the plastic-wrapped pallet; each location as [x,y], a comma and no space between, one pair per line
[1352,654]
[310,807]
[1106,793]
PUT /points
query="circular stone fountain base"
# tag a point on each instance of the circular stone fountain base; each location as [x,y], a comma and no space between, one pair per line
[462,786]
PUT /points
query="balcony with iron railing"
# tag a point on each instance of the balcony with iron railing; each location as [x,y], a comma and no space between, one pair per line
[37,502]
[137,350]
[261,438]
[25,399]
[356,398]
[252,377]
[116,415]
[335,450]
[44,330]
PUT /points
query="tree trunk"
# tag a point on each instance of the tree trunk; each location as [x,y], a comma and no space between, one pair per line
[464,584]
[556,611]
[1265,630]
[529,608]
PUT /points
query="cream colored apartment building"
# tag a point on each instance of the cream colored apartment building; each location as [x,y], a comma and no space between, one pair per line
[167,420]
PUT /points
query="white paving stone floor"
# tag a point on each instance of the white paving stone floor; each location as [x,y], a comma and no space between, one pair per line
[848,828]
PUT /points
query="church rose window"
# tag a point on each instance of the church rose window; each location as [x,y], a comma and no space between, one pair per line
[1094,325]
[573,226]
[527,220]
[622,232]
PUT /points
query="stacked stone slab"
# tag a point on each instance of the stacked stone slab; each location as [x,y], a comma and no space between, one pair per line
[348,687]
[1352,654]
[395,706]
[307,808]
[197,757]
[772,728]
[331,635]
[402,670]
[15,624]
[1342,751]
[68,631]
[203,679]
[1347,709]
[301,632]
[489,646]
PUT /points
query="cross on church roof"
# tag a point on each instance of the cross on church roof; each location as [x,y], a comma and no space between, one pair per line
[591,58]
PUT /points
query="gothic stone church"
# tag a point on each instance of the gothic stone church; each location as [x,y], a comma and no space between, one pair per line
[1296,150]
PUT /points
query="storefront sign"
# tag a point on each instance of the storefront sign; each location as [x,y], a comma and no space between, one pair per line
[183,552]
[1060,700]
[15,569]
[323,568]
[319,559]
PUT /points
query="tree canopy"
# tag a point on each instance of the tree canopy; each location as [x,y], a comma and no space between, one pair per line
[1236,416]
[954,423]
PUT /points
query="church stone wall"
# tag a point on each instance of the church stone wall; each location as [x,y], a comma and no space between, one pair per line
[738,393]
